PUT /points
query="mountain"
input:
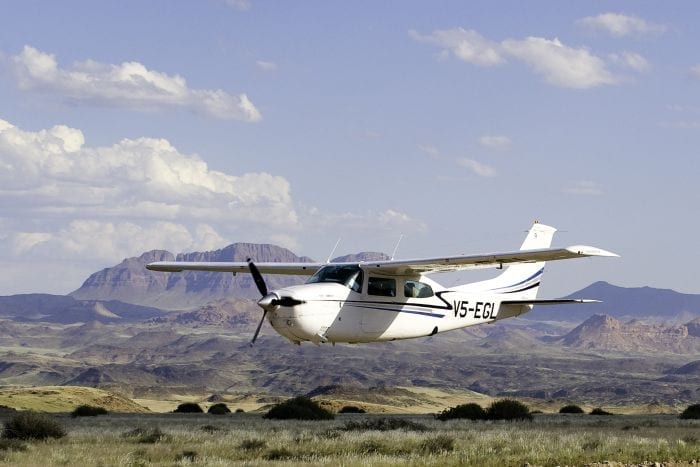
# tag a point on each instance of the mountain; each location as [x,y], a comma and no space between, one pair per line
[66,309]
[605,333]
[622,302]
[131,282]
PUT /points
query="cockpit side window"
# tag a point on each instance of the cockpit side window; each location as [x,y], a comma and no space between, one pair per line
[349,276]
[415,289]
[382,286]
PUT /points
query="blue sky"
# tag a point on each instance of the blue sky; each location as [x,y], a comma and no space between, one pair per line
[189,125]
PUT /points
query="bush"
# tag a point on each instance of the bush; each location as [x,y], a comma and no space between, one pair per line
[571,409]
[88,411]
[188,407]
[32,425]
[437,445]
[351,409]
[470,411]
[279,454]
[12,445]
[146,436]
[186,456]
[599,411]
[299,408]
[252,445]
[691,412]
[219,409]
[508,409]
[384,424]
[240,411]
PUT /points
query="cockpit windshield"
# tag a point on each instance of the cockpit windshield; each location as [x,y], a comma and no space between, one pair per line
[349,276]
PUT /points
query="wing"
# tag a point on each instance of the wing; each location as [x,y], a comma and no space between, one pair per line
[455,263]
[301,269]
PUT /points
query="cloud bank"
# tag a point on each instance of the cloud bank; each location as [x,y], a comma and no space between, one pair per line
[559,64]
[127,85]
[619,25]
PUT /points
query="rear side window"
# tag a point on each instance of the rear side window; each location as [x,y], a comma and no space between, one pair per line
[415,289]
[382,286]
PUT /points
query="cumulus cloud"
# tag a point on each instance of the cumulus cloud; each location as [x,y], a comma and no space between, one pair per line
[113,201]
[495,141]
[480,169]
[631,60]
[129,85]
[619,25]
[240,5]
[695,71]
[467,45]
[584,188]
[559,64]
[266,65]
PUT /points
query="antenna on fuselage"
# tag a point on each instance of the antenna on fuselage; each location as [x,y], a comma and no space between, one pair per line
[333,250]
[396,247]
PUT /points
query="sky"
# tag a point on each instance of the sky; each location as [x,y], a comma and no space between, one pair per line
[189,125]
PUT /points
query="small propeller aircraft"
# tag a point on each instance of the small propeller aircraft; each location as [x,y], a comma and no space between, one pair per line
[394,299]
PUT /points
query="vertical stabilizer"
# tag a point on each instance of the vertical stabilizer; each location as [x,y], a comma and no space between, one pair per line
[520,281]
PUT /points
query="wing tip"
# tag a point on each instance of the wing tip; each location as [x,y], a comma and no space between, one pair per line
[585,250]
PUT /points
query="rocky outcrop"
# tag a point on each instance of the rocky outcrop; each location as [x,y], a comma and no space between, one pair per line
[131,282]
[603,332]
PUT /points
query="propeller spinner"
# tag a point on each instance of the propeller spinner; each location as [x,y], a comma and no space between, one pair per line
[269,301]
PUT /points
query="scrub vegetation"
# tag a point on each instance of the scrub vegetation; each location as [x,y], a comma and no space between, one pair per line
[200,439]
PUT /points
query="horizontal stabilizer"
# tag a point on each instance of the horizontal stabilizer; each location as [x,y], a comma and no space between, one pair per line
[553,301]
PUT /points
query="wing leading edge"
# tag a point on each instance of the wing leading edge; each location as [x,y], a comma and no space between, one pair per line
[396,267]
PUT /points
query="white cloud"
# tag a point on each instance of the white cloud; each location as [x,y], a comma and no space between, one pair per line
[466,45]
[584,188]
[430,151]
[695,71]
[631,60]
[482,170]
[561,65]
[495,141]
[63,197]
[266,65]
[129,85]
[240,5]
[618,24]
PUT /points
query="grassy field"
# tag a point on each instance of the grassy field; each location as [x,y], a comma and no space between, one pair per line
[248,439]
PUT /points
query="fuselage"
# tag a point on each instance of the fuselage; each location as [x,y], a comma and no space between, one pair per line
[377,308]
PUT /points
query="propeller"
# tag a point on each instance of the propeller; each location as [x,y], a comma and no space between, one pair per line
[269,301]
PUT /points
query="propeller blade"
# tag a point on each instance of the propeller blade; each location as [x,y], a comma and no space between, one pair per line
[257,277]
[257,331]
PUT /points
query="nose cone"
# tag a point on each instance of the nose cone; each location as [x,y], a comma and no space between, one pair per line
[269,302]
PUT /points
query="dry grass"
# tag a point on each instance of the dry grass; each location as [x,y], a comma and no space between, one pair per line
[239,439]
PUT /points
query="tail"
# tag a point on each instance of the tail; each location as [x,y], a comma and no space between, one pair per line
[520,281]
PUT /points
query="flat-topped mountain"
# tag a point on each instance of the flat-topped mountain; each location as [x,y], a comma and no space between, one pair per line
[131,282]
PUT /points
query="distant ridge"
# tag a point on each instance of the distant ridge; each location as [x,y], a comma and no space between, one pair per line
[623,302]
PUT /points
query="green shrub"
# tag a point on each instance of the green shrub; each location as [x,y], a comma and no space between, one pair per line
[384,424]
[252,445]
[12,445]
[32,425]
[145,435]
[88,411]
[599,411]
[279,454]
[437,445]
[240,411]
[470,411]
[219,409]
[188,456]
[352,409]
[508,409]
[571,409]
[299,408]
[691,412]
[188,407]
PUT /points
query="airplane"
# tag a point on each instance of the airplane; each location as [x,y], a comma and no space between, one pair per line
[369,301]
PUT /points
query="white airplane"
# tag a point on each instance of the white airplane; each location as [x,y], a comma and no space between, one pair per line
[394,299]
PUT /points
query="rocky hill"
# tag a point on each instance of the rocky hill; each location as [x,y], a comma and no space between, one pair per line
[131,282]
[603,332]
[623,302]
